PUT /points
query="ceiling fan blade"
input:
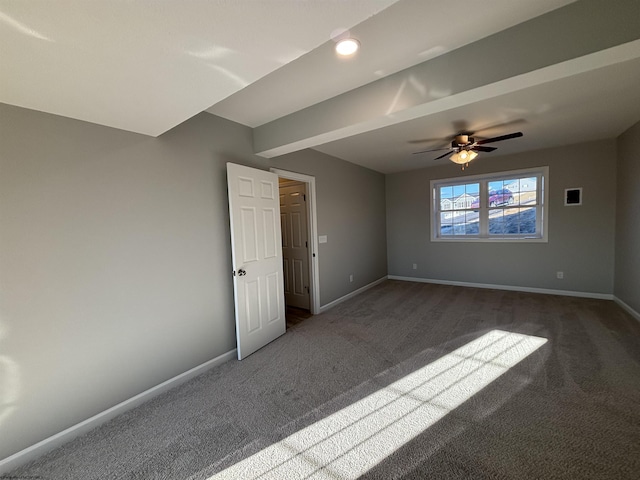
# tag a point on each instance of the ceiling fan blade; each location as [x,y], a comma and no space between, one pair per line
[432,150]
[425,140]
[442,156]
[483,149]
[502,125]
[499,139]
[464,128]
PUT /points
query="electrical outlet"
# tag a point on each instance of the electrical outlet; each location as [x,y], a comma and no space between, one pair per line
[415,266]
[560,275]
[351,278]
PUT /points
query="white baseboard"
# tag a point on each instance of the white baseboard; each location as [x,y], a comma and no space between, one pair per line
[628,309]
[48,444]
[329,305]
[548,291]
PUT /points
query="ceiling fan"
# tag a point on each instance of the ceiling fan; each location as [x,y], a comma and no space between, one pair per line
[465,148]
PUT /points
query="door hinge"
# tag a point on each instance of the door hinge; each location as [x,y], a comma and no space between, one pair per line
[304,197]
[306,244]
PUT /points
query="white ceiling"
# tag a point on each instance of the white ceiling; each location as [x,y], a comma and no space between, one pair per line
[147,66]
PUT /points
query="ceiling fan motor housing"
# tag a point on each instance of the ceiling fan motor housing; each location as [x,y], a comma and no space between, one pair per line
[461,141]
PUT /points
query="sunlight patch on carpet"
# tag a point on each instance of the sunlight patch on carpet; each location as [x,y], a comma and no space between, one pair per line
[350,442]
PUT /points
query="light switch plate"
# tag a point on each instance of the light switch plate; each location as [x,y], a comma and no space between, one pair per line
[322,239]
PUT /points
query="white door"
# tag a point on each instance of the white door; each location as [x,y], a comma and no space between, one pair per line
[295,245]
[256,247]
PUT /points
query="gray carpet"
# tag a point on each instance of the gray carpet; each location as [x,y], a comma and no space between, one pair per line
[570,409]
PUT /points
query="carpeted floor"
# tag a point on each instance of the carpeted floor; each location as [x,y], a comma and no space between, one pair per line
[568,409]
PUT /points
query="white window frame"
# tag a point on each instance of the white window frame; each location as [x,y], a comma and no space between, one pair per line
[542,210]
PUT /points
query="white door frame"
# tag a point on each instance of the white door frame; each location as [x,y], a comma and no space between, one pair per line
[312,225]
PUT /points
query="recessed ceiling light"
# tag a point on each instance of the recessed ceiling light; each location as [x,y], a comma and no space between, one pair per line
[347,47]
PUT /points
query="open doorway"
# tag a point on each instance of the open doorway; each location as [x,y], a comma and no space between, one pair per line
[299,245]
[295,244]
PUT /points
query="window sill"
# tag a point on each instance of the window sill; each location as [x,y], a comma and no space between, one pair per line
[491,240]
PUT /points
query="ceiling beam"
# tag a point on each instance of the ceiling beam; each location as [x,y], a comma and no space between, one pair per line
[579,37]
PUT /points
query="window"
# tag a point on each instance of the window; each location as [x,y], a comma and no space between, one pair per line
[506,206]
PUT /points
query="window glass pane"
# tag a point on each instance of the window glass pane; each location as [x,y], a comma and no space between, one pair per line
[446,204]
[446,192]
[513,185]
[473,226]
[463,196]
[459,224]
[446,217]
[528,220]
[512,221]
[446,198]
[499,195]
[496,222]
[496,185]
[510,192]
[456,209]
[446,223]
[462,223]
[528,191]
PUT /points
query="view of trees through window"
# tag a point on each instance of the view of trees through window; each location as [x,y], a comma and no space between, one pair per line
[490,207]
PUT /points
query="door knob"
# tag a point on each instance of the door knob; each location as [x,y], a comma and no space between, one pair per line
[241,272]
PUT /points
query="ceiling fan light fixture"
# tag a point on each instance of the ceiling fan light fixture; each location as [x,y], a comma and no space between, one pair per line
[455,158]
[463,157]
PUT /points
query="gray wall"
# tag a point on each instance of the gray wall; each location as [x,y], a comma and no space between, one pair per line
[115,258]
[627,272]
[581,238]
